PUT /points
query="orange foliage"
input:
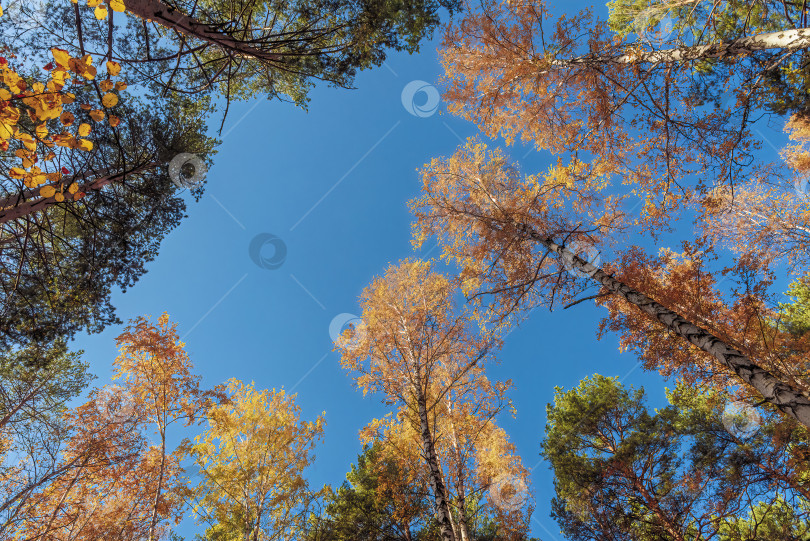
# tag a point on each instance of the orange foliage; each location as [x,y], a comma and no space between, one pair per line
[553,89]
[744,319]
[108,482]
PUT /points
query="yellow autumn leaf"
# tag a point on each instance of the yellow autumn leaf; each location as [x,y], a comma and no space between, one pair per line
[37,179]
[5,95]
[63,139]
[27,141]
[84,144]
[73,188]
[67,118]
[105,85]
[58,80]
[120,85]
[109,100]
[100,13]
[47,191]
[6,131]
[116,5]
[114,121]
[68,98]
[59,197]
[31,101]
[9,115]
[97,115]
[42,131]
[83,66]
[48,114]
[113,68]
[84,130]
[16,172]
[14,82]
[61,56]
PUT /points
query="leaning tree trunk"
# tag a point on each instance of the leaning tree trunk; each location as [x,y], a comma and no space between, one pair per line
[782,395]
[786,40]
[436,483]
[29,201]
[166,16]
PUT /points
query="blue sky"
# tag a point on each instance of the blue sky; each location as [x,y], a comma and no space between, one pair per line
[332,184]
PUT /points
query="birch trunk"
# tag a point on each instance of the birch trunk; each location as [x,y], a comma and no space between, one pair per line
[153,520]
[782,395]
[787,40]
[463,527]
[436,483]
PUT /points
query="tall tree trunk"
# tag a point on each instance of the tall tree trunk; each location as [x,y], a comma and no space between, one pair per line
[785,40]
[153,521]
[782,395]
[160,13]
[453,523]
[29,201]
[436,483]
[463,527]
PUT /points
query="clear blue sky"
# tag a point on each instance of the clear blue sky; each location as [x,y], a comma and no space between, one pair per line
[332,184]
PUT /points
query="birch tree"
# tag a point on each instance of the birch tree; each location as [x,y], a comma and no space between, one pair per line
[102,473]
[415,349]
[767,218]
[157,371]
[251,459]
[486,484]
[510,237]
[669,126]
